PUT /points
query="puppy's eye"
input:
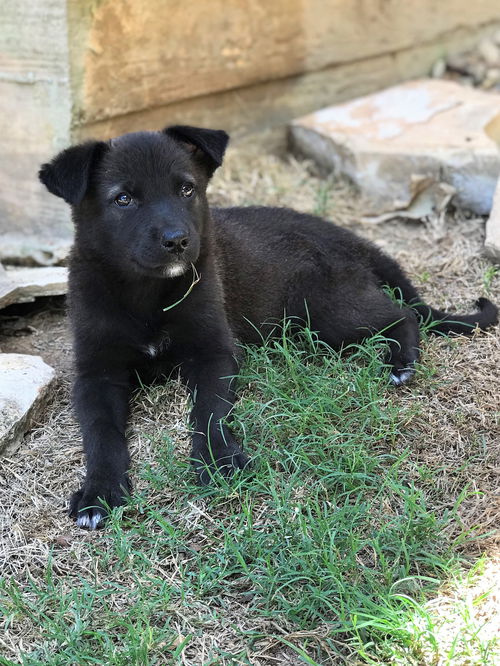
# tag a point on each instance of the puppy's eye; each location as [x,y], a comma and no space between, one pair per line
[187,190]
[123,199]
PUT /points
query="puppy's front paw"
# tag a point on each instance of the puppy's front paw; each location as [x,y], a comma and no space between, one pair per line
[221,458]
[401,376]
[89,505]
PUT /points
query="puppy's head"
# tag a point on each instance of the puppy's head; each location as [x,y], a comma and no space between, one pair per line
[139,201]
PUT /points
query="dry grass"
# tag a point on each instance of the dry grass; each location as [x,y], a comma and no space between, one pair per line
[454,438]
[460,419]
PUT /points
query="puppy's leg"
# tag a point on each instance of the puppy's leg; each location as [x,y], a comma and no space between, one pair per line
[102,407]
[404,349]
[343,317]
[211,381]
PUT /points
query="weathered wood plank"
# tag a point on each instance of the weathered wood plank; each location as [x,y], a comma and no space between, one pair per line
[272,104]
[136,55]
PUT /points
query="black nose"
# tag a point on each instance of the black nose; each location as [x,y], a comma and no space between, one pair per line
[175,241]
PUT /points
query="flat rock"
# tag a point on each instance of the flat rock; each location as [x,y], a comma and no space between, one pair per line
[427,128]
[492,242]
[25,386]
[6,287]
[21,285]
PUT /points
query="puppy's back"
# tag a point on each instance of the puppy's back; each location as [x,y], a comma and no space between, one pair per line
[266,255]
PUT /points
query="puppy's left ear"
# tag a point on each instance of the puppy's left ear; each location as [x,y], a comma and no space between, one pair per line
[207,145]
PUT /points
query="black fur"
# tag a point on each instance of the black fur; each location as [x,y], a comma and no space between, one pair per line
[143,233]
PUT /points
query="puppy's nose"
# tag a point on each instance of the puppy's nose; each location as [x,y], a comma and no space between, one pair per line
[175,241]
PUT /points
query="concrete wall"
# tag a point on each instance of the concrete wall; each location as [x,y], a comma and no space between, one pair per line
[71,69]
[35,118]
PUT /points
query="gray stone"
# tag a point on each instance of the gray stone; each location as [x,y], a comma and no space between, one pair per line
[6,288]
[492,242]
[489,52]
[478,71]
[22,285]
[458,62]
[25,386]
[432,128]
[34,249]
[492,78]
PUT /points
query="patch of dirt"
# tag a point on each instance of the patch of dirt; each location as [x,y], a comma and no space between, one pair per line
[40,329]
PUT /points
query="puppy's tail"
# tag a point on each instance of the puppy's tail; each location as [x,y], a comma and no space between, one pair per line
[391,274]
[445,322]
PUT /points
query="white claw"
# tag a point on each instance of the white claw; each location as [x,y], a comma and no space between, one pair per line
[87,522]
[95,520]
[83,521]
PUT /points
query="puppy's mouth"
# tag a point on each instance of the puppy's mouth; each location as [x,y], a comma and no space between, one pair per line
[175,268]
[171,269]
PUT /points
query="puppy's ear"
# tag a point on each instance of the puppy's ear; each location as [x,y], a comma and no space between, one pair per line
[67,175]
[206,144]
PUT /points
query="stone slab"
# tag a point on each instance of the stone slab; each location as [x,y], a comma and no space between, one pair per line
[25,386]
[492,242]
[6,288]
[425,128]
[23,285]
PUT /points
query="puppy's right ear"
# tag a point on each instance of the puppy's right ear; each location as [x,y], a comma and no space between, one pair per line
[67,175]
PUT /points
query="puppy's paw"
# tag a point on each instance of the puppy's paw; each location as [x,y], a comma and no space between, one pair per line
[401,376]
[89,505]
[222,459]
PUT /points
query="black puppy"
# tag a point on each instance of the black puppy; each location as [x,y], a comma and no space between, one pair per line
[146,241]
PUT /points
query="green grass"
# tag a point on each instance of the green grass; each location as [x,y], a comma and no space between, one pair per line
[329,534]
[489,276]
[323,196]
